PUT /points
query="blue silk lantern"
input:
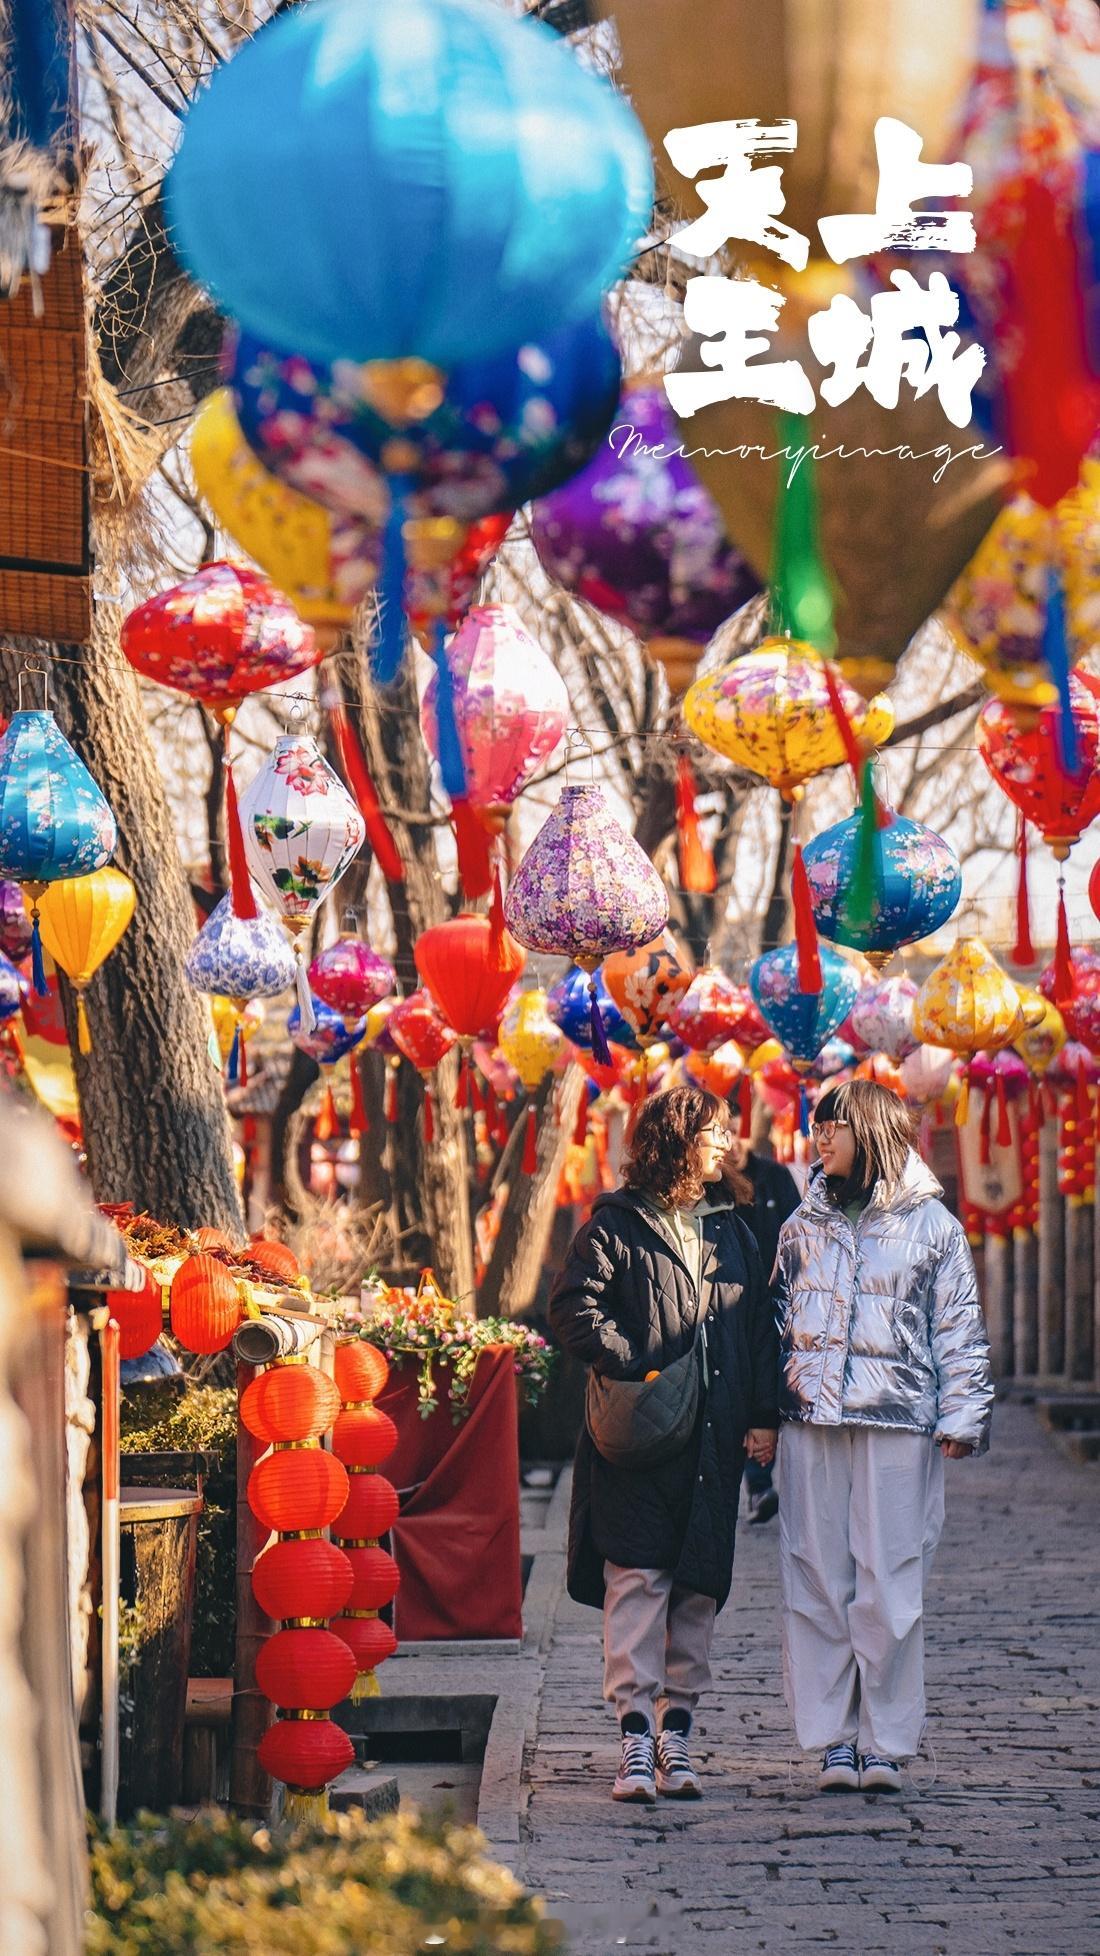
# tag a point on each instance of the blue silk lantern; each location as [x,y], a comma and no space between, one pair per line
[12,986]
[331,1036]
[54,822]
[803,1021]
[916,885]
[413,178]
[569,1004]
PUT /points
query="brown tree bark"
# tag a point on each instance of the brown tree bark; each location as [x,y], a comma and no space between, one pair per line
[511,1281]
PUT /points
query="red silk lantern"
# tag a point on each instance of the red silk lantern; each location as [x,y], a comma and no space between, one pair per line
[361,1370]
[419,1031]
[351,977]
[703,1018]
[1080,1006]
[305,1752]
[139,1317]
[748,1026]
[290,1402]
[363,1436]
[275,1259]
[302,1579]
[468,971]
[370,1641]
[370,1510]
[375,1578]
[1024,755]
[305,1670]
[219,635]
[205,1306]
[510,705]
[297,1488]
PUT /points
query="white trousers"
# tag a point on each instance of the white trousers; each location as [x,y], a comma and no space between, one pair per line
[860,1514]
[656,1642]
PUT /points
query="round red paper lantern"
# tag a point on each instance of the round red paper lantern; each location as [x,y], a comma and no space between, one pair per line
[305,1753]
[302,1579]
[296,1489]
[139,1317]
[465,975]
[290,1402]
[224,632]
[275,1259]
[419,1031]
[205,1307]
[369,1640]
[375,1578]
[370,1510]
[361,1370]
[1023,754]
[214,1239]
[305,1670]
[363,1436]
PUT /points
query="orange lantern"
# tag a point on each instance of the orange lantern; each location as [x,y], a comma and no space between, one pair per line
[370,1510]
[205,1304]
[290,1402]
[275,1259]
[214,1239]
[363,1436]
[305,1753]
[297,1488]
[296,1581]
[361,1371]
[305,1669]
[646,984]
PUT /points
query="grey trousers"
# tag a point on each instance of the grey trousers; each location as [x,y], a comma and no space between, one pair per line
[656,1642]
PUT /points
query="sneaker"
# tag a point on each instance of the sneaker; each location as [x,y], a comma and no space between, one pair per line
[634,1779]
[879,1775]
[677,1778]
[763,1507]
[839,1770]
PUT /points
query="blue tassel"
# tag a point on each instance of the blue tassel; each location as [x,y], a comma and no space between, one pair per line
[38,967]
[452,765]
[803,1110]
[233,1067]
[1056,654]
[601,1051]
[388,647]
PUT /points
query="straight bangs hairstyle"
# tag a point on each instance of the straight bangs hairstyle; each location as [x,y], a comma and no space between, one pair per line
[664,1151]
[881,1129]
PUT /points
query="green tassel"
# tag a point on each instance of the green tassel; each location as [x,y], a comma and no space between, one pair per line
[859,911]
[801,589]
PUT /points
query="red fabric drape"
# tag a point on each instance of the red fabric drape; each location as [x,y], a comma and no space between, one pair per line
[457,1539]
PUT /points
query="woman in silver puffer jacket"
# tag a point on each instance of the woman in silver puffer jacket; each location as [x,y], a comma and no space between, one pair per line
[885,1371]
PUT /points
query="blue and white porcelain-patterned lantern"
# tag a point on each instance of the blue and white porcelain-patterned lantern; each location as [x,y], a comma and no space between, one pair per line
[240,958]
[917,883]
[54,821]
[803,1021]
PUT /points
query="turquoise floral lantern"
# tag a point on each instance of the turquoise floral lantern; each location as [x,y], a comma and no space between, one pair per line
[803,1021]
[915,885]
[329,194]
[54,822]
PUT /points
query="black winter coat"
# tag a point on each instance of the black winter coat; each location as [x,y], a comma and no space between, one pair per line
[775,1196]
[625,1302]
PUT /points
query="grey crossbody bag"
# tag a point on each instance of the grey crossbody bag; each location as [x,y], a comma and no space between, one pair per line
[639,1423]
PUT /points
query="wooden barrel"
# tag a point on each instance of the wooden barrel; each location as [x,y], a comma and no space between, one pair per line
[159,1532]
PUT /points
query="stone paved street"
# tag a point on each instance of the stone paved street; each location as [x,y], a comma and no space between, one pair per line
[992,1847]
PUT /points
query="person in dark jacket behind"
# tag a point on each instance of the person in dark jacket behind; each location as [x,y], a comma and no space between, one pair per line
[764,1194]
[654,1546]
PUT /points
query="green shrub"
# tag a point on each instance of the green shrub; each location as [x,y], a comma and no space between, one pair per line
[344,1886]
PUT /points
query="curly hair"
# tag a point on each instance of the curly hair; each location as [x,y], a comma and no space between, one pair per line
[882,1129]
[664,1156]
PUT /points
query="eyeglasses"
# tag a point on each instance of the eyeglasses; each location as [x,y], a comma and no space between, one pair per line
[825,1130]
[721,1136]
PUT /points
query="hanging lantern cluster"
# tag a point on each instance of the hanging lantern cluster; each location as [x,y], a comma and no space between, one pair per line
[296,1490]
[363,1438]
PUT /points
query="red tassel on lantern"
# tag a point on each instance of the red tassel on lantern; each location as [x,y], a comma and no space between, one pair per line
[477,1098]
[744,1102]
[462,1089]
[472,838]
[497,956]
[324,1127]
[844,725]
[242,1061]
[1023,951]
[984,1149]
[429,1116]
[244,901]
[1004,1125]
[580,1126]
[1052,398]
[389,1097]
[530,1144]
[1065,981]
[697,872]
[358,1122]
[357,774]
[805,929]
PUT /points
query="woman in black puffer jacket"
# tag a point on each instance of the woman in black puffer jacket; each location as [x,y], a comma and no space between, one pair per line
[654,1546]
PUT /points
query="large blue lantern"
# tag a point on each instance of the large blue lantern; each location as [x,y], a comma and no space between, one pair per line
[12,986]
[569,1004]
[409,178]
[504,430]
[803,1021]
[331,1037]
[54,822]
[240,957]
[916,884]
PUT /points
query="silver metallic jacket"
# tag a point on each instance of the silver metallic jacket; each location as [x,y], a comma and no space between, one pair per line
[880,1323]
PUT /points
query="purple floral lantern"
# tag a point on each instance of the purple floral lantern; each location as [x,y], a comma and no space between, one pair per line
[15,925]
[636,534]
[882,1016]
[585,889]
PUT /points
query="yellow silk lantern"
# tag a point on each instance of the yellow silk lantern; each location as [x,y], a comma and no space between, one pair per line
[969,1005]
[325,567]
[230,1016]
[82,919]
[769,711]
[529,1039]
[1044,1032]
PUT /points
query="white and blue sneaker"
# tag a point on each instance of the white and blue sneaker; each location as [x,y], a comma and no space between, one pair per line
[635,1779]
[878,1775]
[839,1770]
[677,1778]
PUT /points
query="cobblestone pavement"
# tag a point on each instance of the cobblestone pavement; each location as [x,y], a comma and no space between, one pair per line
[992,1847]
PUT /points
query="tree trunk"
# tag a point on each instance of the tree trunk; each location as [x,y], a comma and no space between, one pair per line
[155,1126]
[518,1261]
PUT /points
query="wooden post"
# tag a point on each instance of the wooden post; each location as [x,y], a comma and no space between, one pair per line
[250,1788]
[997,1303]
[1052,1258]
[1025,1302]
[1080,1304]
